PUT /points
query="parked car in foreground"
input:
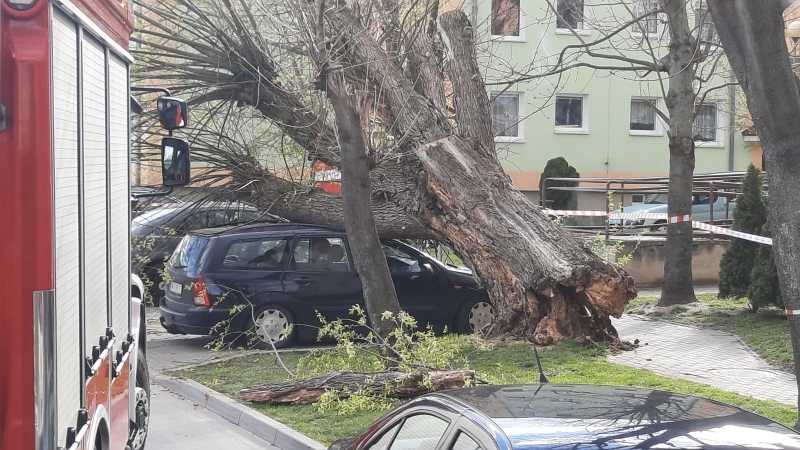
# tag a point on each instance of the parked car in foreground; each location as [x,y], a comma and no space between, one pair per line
[157,232]
[657,204]
[284,273]
[552,416]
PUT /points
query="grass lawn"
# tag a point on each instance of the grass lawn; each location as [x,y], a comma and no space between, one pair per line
[766,332]
[503,364]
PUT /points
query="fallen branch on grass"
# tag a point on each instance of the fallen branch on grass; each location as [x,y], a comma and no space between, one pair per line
[387,384]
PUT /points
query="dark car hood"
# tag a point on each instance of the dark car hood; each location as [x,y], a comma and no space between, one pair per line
[587,416]
[461,276]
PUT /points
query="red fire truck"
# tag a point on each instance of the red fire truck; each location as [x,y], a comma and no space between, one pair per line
[73,373]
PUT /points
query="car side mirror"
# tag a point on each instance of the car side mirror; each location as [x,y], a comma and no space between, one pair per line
[173,113]
[427,267]
[176,167]
[340,444]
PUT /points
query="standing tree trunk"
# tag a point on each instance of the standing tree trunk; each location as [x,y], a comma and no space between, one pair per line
[353,125]
[352,118]
[677,287]
[752,34]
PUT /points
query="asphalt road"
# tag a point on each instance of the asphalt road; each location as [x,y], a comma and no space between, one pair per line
[179,424]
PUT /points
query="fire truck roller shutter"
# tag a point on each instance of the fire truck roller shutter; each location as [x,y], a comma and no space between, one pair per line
[66,216]
[94,192]
[119,197]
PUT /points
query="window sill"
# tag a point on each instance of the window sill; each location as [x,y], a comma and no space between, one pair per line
[568,32]
[509,140]
[645,133]
[571,131]
[508,38]
[712,144]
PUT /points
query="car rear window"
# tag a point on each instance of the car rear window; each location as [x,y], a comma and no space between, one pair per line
[188,254]
[258,254]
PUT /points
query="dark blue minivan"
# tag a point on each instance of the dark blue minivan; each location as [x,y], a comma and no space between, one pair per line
[270,280]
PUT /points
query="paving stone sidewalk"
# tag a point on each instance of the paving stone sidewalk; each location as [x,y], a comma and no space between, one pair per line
[710,357]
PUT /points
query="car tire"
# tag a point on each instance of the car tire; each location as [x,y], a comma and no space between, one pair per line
[659,226]
[158,288]
[273,322]
[138,436]
[474,314]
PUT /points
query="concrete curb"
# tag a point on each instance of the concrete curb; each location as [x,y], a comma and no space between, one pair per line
[270,430]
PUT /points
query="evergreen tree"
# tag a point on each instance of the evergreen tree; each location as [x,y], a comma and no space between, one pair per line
[749,216]
[556,199]
[764,289]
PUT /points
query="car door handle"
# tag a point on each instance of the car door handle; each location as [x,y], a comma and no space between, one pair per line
[303,280]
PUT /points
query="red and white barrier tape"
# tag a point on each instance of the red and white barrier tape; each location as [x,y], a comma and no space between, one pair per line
[661,216]
[679,219]
[561,212]
[793,312]
[732,233]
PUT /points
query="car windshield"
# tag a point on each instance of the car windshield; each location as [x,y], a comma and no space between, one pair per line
[188,254]
[656,199]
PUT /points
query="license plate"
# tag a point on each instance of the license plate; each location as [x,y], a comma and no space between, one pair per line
[175,288]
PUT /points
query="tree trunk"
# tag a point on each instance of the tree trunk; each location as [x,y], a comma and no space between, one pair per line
[383,384]
[752,34]
[677,287]
[352,119]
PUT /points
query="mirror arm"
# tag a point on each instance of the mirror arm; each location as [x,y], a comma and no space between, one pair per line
[150,89]
[154,194]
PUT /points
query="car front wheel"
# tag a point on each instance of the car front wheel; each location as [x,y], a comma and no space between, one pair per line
[474,315]
[270,326]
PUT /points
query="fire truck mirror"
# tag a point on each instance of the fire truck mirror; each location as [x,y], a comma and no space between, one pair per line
[173,113]
[175,162]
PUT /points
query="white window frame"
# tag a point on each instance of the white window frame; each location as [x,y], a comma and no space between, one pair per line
[520,137]
[659,126]
[502,38]
[636,31]
[719,141]
[583,30]
[584,129]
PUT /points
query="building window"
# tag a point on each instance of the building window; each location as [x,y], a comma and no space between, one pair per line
[643,117]
[506,113]
[570,14]
[571,114]
[706,128]
[506,18]
[647,26]
[704,24]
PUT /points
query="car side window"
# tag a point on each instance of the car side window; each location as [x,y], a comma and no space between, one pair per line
[263,254]
[420,432]
[321,254]
[400,261]
[385,440]
[464,442]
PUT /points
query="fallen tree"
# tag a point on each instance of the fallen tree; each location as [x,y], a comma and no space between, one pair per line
[391,384]
[438,177]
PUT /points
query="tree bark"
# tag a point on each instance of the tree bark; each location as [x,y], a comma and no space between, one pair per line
[677,287]
[752,34]
[352,119]
[385,384]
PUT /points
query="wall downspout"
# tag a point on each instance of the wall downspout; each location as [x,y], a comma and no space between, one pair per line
[473,18]
[731,124]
